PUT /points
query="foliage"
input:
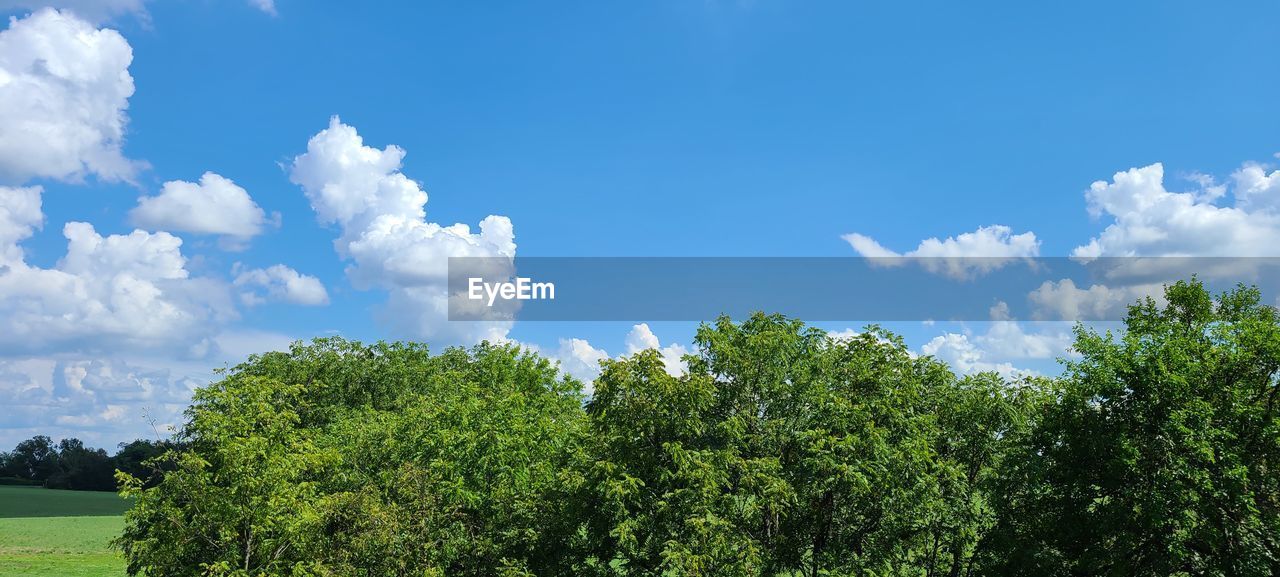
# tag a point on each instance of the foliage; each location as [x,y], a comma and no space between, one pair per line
[784,451]
[69,464]
[1157,452]
[779,451]
[35,459]
[338,458]
[140,459]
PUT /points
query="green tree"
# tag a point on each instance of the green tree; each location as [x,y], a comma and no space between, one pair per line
[35,459]
[783,451]
[81,468]
[139,459]
[779,451]
[980,422]
[1156,455]
[338,458]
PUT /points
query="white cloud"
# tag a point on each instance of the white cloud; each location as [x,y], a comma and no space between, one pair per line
[64,88]
[981,251]
[106,293]
[279,283]
[1149,220]
[844,335]
[109,398]
[642,338]
[101,401]
[868,247]
[214,206]
[966,357]
[385,234]
[1064,300]
[1005,340]
[578,358]
[1210,189]
[1008,340]
[1257,189]
[1146,219]
[20,216]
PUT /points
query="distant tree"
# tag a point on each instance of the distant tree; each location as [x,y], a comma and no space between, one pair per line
[1158,452]
[81,468]
[71,465]
[35,459]
[138,459]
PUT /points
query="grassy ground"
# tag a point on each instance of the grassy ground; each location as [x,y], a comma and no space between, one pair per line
[40,502]
[49,533]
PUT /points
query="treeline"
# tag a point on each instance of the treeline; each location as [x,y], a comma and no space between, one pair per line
[69,464]
[780,452]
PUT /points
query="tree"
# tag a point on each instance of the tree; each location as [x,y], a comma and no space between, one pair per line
[342,458]
[35,459]
[784,451]
[139,459]
[980,422]
[780,451]
[1157,452]
[8,465]
[81,468]
[243,499]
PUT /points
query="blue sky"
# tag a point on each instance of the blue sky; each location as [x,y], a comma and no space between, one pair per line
[755,128]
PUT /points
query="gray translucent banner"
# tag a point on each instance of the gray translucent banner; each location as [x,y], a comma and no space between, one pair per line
[830,288]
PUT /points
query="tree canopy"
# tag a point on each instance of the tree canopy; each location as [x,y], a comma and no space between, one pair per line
[779,451]
[69,464]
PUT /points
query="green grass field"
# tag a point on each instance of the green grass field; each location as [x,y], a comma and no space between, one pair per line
[48,533]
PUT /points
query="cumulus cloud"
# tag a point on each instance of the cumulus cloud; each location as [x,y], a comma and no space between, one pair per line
[386,236]
[581,360]
[108,398]
[1147,219]
[1009,340]
[20,216]
[1000,346]
[981,251]
[64,89]
[641,338]
[965,357]
[1064,300]
[101,401]
[1147,224]
[214,206]
[577,357]
[1257,187]
[112,292]
[279,283]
